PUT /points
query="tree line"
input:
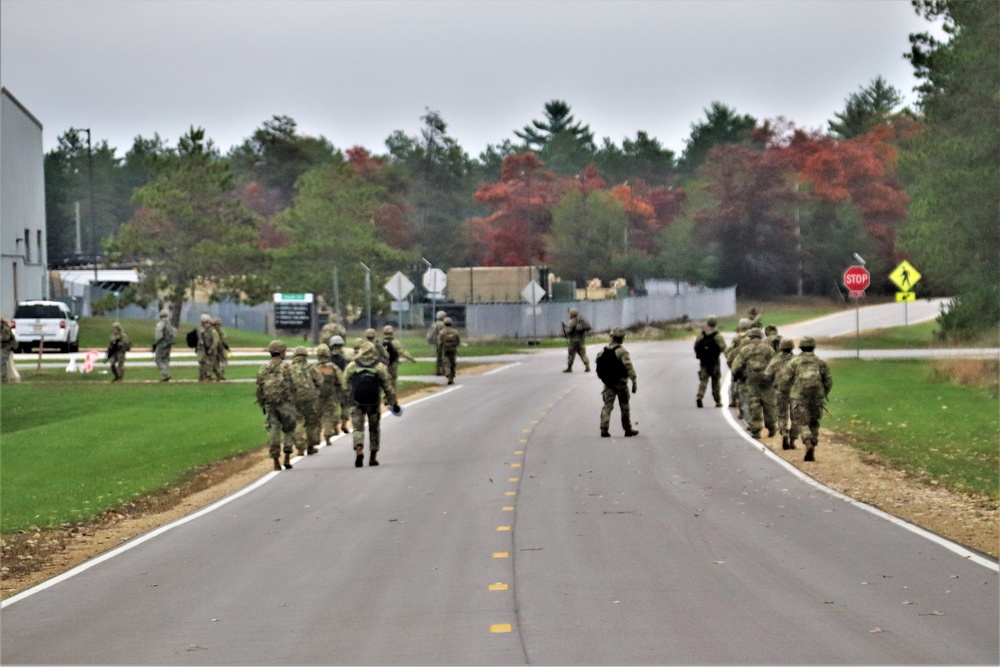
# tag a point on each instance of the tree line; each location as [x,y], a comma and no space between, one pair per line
[772,208]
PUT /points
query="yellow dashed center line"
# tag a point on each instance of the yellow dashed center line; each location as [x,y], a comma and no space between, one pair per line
[500,627]
[510,493]
[503,528]
[515,465]
[519,452]
[513,479]
[508,508]
[498,587]
[501,554]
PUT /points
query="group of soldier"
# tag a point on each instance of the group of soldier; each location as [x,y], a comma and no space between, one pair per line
[445,339]
[307,404]
[772,387]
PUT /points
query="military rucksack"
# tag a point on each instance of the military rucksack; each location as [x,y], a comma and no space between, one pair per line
[328,371]
[273,389]
[192,338]
[809,379]
[449,339]
[706,348]
[303,386]
[610,369]
[365,386]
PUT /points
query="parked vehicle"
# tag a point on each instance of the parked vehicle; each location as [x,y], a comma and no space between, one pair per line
[49,323]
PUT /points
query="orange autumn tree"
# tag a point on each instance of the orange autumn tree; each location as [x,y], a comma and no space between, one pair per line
[520,204]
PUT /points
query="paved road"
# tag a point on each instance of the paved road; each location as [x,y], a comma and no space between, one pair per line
[501,529]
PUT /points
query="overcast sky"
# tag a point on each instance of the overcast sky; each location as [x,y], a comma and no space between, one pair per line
[356,71]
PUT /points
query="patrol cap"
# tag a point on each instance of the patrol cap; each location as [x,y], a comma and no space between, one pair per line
[301,352]
[448,321]
[807,343]
[336,341]
[276,347]
[387,330]
[756,332]
[712,321]
[370,334]
[786,344]
[618,333]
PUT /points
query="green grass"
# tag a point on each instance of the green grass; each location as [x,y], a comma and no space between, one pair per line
[898,411]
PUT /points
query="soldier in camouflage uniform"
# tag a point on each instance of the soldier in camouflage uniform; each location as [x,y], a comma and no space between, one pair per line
[738,396]
[119,344]
[274,393]
[750,363]
[395,350]
[772,337]
[7,346]
[619,386]
[207,349]
[368,381]
[449,341]
[576,335]
[306,382]
[163,341]
[782,403]
[329,393]
[221,350]
[707,347]
[433,335]
[810,382]
[331,329]
[338,357]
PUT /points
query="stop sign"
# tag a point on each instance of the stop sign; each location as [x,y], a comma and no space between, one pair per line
[857,279]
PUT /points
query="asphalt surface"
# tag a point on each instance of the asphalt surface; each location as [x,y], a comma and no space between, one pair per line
[501,529]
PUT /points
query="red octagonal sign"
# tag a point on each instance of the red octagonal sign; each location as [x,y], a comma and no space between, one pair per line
[857,279]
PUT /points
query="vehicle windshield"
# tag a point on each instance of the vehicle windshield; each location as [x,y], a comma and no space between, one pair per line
[39,312]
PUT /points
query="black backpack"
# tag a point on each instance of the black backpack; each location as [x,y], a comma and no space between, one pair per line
[706,348]
[610,369]
[192,338]
[365,386]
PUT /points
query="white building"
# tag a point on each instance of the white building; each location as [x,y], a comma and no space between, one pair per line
[23,247]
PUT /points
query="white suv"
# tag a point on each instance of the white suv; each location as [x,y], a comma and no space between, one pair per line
[48,321]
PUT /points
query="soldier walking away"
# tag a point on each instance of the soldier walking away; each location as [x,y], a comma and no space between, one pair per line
[119,344]
[274,393]
[782,403]
[737,391]
[615,370]
[340,359]
[221,350]
[433,339]
[208,345]
[331,329]
[708,346]
[751,361]
[810,382]
[306,383]
[163,342]
[329,392]
[395,350]
[575,332]
[7,347]
[449,341]
[383,354]
[368,381]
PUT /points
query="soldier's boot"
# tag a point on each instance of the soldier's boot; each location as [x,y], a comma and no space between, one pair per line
[586,368]
[629,432]
[277,463]
[605,433]
[451,380]
[344,428]
[372,459]
[699,402]
[785,444]
[312,450]
[288,460]
[791,442]
[755,435]
[569,369]
[359,457]
[810,446]
[718,404]
[770,432]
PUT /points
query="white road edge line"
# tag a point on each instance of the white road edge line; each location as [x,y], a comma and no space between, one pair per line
[502,368]
[948,544]
[82,567]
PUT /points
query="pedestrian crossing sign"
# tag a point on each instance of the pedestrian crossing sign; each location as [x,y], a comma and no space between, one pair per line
[905,276]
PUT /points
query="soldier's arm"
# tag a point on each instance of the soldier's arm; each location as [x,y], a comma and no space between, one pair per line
[390,394]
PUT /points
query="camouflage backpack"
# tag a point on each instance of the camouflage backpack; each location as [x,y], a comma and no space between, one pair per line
[808,378]
[330,383]
[757,360]
[303,387]
[449,339]
[273,389]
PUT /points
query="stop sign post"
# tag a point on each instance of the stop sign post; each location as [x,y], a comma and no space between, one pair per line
[856,280]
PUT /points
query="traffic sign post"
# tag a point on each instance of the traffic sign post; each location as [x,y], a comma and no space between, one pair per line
[434,280]
[856,280]
[533,293]
[399,286]
[905,276]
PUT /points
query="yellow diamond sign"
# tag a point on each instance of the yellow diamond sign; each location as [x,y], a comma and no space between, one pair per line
[905,276]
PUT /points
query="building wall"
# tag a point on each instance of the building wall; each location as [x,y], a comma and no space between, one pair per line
[23,244]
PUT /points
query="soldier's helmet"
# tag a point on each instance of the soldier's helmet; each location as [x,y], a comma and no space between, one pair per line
[441,315]
[370,334]
[448,321]
[770,329]
[117,326]
[336,341]
[744,324]
[618,334]
[276,347]
[786,344]
[301,352]
[323,351]
[756,332]
[807,343]
[387,330]
[573,312]
[712,321]
[205,317]
[164,313]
